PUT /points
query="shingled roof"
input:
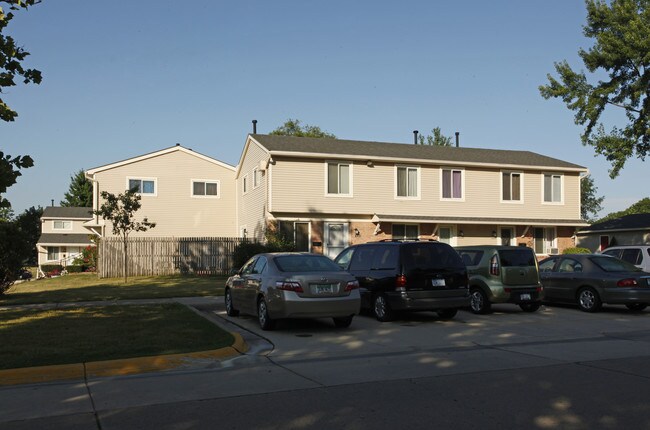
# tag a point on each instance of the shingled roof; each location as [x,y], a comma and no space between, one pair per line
[67,212]
[291,145]
[627,222]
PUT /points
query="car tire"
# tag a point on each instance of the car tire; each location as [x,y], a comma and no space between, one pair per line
[343,322]
[637,307]
[381,308]
[588,300]
[230,309]
[530,307]
[447,314]
[266,323]
[479,303]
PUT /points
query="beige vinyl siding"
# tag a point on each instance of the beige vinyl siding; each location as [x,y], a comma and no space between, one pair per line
[299,186]
[173,209]
[47,226]
[251,206]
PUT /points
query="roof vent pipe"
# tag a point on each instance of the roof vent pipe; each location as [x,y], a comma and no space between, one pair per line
[457,139]
[254,126]
[415,137]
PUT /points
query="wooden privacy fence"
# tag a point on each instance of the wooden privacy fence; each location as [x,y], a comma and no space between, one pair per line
[152,256]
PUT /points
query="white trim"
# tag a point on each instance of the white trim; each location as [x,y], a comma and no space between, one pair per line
[62,220]
[513,237]
[326,231]
[249,140]
[244,185]
[552,174]
[453,239]
[141,179]
[462,184]
[350,164]
[256,177]
[419,183]
[521,187]
[205,182]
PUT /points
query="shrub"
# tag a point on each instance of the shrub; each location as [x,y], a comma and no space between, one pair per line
[246,250]
[576,250]
[47,268]
[87,258]
[75,268]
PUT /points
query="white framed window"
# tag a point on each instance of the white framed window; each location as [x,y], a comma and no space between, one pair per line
[257,177]
[61,225]
[244,184]
[452,184]
[143,186]
[406,231]
[53,253]
[545,240]
[447,234]
[205,188]
[512,187]
[407,182]
[339,178]
[552,188]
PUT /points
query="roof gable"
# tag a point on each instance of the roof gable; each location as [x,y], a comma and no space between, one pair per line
[627,222]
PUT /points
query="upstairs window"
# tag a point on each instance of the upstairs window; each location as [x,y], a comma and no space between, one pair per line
[552,188]
[257,177]
[452,184]
[143,186]
[62,225]
[407,182]
[511,186]
[202,188]
[245,184]
[338,178]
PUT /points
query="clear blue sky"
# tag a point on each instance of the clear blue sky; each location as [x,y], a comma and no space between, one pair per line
[121,79]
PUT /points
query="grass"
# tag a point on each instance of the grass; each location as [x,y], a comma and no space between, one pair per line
[74,335]
[88,287]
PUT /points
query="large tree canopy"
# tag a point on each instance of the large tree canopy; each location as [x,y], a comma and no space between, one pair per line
[621,33]
[292,127]
[80,193]
[12,56]
[640,207]
[590,203]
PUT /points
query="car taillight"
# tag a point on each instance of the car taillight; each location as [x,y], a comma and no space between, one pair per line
[494,266]
[289,286]
[630,282]
[400,283]
[351,285]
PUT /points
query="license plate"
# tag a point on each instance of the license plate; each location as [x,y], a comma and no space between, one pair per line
[324,289]
[438,282]
[525,297]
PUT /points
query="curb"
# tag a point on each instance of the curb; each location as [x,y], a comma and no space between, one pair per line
[121,367]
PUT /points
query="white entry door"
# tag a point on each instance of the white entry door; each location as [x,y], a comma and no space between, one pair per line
[336,238]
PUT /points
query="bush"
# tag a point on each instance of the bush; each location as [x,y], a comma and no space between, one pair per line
[576,251]
[75,268]
[87,258]
[47,268]
[246,250]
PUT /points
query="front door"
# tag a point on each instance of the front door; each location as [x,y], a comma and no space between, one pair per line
[507,236]
[336,238]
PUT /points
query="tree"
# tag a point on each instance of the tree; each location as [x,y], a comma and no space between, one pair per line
[436,138]
[11,254]
[120,210]
[80,193]
[640,207]
[12,56]
[29,225]
[590,204]
[621,33]
[10,171]
[292,127]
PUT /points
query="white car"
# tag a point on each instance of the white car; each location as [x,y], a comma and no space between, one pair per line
[639,255]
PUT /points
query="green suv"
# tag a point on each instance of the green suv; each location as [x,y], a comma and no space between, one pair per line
[502,274]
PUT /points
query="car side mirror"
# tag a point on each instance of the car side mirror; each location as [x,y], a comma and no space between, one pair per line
[234,271]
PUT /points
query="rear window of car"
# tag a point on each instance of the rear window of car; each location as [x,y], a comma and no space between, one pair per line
[428,256]
[632,255]
[517,257]
[305,263]
[611,264]
[471,258]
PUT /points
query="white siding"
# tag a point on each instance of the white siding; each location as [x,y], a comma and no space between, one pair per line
[251,211]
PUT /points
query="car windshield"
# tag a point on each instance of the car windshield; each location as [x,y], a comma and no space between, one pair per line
[306,263]
[611,264]
[518,257]
[431,256]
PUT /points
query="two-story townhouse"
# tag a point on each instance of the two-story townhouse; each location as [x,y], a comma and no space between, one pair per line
[185,193]
[63,235]
[325,194]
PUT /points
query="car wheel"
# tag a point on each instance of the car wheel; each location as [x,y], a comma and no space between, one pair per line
[637,306]
[230,310]
[343,322]
[382,310]
[530,307]
[588,300]
[479,303]
[447,314]
[266,323]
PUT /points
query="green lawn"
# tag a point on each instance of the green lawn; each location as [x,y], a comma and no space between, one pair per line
[94,333]
[87,287]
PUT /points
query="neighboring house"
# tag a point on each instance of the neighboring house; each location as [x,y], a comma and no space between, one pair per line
[63,235]
[626,230]
[325,194]
[185,193]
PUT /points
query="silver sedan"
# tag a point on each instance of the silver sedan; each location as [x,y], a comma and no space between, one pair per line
[273,286]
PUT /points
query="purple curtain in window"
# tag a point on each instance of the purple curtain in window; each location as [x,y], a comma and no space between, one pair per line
[457,184]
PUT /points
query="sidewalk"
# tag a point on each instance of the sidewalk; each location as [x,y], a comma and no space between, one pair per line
[203,306]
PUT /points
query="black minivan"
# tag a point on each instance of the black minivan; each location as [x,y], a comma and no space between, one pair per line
[407,276]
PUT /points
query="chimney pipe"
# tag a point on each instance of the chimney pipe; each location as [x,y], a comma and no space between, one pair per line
[52,202]
[254,126]
[457,139]
[415,137]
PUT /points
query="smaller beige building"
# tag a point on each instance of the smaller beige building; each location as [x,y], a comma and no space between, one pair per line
[63,235]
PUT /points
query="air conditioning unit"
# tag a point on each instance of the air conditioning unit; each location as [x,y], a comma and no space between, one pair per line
[552,251]
[262,166]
